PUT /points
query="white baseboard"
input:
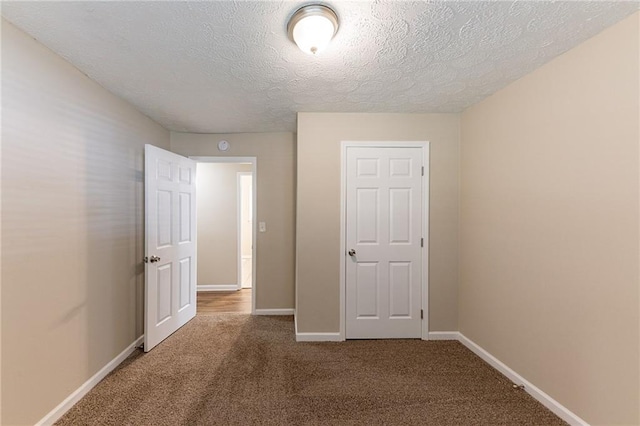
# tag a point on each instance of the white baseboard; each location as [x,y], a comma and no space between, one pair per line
[285,311]
[553,405]
[318,337]
[444,335]
[77,395]
[217,287]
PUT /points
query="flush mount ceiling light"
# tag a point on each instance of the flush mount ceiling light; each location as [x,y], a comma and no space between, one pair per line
[312,27]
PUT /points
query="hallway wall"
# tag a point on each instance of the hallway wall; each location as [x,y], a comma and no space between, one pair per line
[275,248]
[217,207]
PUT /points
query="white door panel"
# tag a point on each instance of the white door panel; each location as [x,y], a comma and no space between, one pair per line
[170,244]
[367,287]
[384,229]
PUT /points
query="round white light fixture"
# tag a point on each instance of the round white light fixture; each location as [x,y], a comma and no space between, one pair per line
[312,27]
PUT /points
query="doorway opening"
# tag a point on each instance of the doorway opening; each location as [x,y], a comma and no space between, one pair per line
[226,211]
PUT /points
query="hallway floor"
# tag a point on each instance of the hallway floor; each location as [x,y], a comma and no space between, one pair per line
[215,302]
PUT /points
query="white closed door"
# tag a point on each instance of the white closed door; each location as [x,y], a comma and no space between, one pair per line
[170,244]
[384,232]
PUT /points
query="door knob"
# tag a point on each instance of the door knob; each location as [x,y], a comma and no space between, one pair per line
[352,252]
[154,259]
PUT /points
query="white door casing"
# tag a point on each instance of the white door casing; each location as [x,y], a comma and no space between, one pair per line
[385,229]
[170,244]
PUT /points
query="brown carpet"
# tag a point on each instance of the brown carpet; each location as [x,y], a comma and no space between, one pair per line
[236,369]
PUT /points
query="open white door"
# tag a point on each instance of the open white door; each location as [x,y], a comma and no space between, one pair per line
[170,244]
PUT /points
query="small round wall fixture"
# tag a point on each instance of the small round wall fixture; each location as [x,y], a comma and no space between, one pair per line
[223,146]
[312,27]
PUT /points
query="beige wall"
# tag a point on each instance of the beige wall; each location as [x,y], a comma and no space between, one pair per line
[218,222]
[318,205]
[549,227]
[275,153]
[72,221]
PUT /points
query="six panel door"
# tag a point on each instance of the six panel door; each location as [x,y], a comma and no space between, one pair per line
[170,243]
[383,242]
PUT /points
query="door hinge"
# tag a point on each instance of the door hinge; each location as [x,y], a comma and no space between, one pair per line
[146,259]
[422,170]
[421,242]
[421,314]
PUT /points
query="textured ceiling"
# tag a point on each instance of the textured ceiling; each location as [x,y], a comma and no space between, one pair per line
[227,66]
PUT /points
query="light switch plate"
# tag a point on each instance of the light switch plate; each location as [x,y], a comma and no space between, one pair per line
[262,226]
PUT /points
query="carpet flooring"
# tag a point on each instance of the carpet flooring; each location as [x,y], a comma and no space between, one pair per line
[233,369]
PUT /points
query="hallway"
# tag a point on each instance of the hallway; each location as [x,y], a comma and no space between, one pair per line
[216,302]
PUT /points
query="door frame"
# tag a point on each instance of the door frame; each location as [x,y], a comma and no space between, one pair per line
[425,145]
[254,231]
[239,176]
